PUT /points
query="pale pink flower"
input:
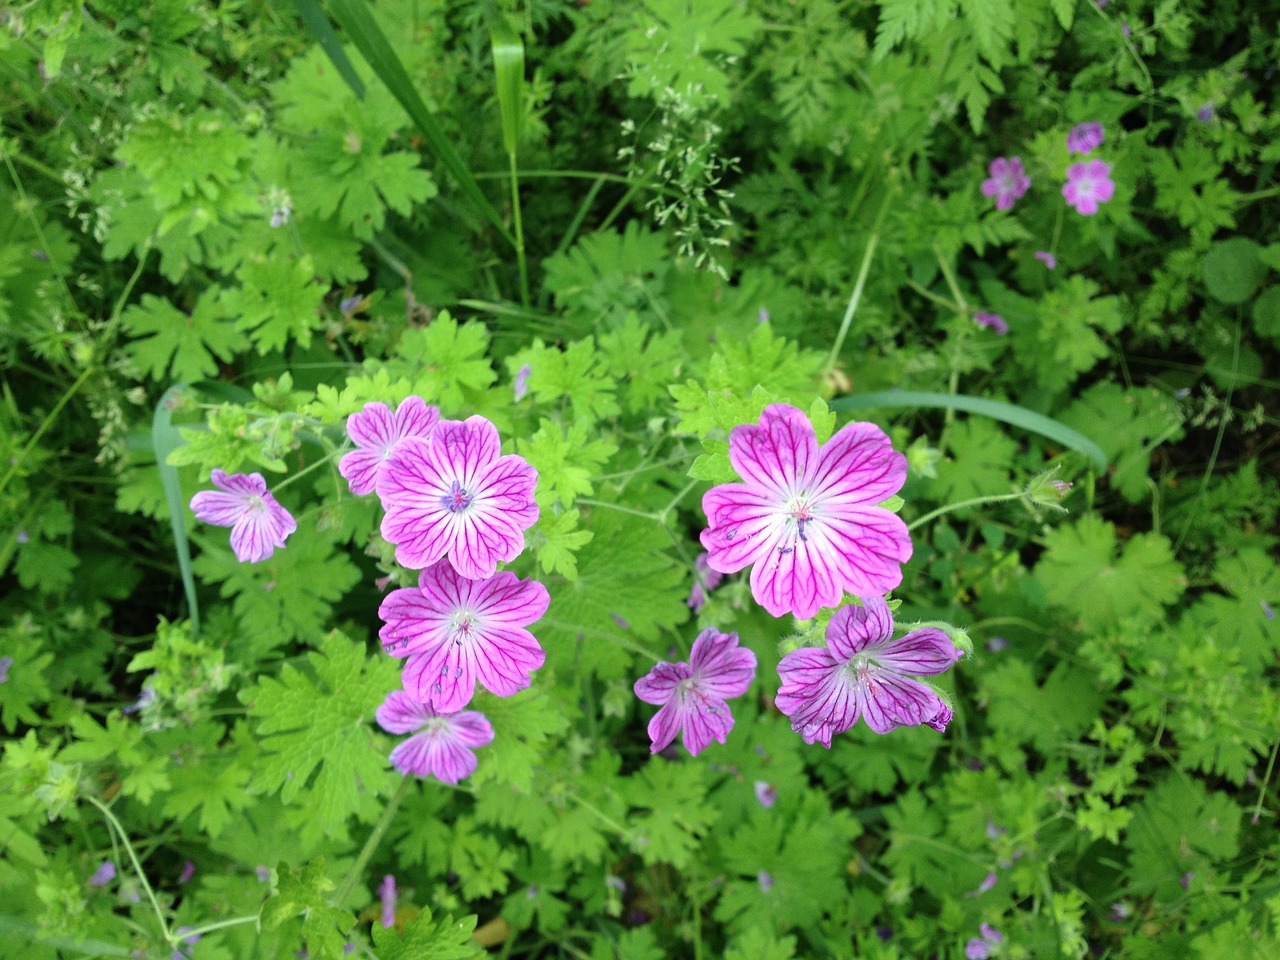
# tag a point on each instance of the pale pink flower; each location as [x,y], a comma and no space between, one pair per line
[456,632]
[863,672]
[1007,182]
[806,520]
[694,695]
[1088,184]
[1085,137]
[454,495]
[442,743]
[377,432]
[242,502]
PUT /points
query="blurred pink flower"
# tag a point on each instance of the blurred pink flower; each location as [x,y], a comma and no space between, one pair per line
[1007,182]
[1088,184]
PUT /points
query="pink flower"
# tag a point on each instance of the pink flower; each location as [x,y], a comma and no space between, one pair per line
[454,495]
[1085,137]
[377,433]
[1007,181]
[441,744]
[258,523]
[863,672]
[1047,258]
[806,519]
[992,321]
[693,695]
[1088,184]
[766,793]
[456,631]
[704,581]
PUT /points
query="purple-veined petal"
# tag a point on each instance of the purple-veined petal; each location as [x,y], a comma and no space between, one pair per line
[472,728]
[710,719]
[858,465]
[218,508]
[360,469]
[667,723]
[855,629]
[887,700]
[798,580]
[414,418]
[868,546]
[506,659]
[425,755]
[247,484]
[465,449]
[777,451]
[722,669]
[816,689]
[659,684]
[920,653]
[444,676]
[401,713]
[372,427]
[740,525]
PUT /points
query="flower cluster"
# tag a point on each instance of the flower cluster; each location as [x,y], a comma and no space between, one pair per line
[455,508]
[809,522]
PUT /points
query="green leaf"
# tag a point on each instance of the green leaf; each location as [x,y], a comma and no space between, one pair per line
[444,359]
[1266,314]
[565,459]
[278,301]
[1085,571]
[173,345]
[526,727]
[678,812]
[1233,270]
[558,538]
[1009,413]
[318,722]
[425,939]
[165,438]
[304,891]
[1180,828]
[980,464]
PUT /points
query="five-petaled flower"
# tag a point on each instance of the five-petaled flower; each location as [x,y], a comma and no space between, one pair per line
[864,672]
[806,519]
[1085,137]
[453,495]
[1088,184]
[442,743]
[1007,182]
[377,433]
[693,695]
[456,632]
[258,523]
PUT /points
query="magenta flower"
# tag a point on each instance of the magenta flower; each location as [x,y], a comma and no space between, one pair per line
[454,495]
[1088,184]
[693,695]
[1085,137]
[377,433]
[704,581]
[806,519]
[979,948]
[258,523]
[456,631]
[1007,182]
[863,672]
[387,889]
[992,321]
[442,743]
[1047,258]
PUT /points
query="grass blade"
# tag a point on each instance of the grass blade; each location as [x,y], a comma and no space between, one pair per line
[317,21]
[356,19]
[995,409]
[165,438]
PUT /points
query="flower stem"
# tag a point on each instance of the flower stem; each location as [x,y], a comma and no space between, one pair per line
[961,505]
[856,296]
[219,925]
[133,857]
[375,837]
[519,225]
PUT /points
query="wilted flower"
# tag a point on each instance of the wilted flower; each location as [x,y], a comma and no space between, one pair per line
[520,385]
[693,695]
[766,793]
[387,893]
[704,581]
[103,875]
[1085,137]
[1047,258]
[979,948]
[188,871]
[992,321]
[258,523]
[5,663]
[1007,182]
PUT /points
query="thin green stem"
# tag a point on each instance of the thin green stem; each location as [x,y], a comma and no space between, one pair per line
[950,277]
[371,845]
[1266,780]
[219,925]
[519,224]
[963,504]
[858,285]
[49,419]
[137,866]
[662,514]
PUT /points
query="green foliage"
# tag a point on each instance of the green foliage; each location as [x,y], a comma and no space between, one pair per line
[303,892]
[320,725]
